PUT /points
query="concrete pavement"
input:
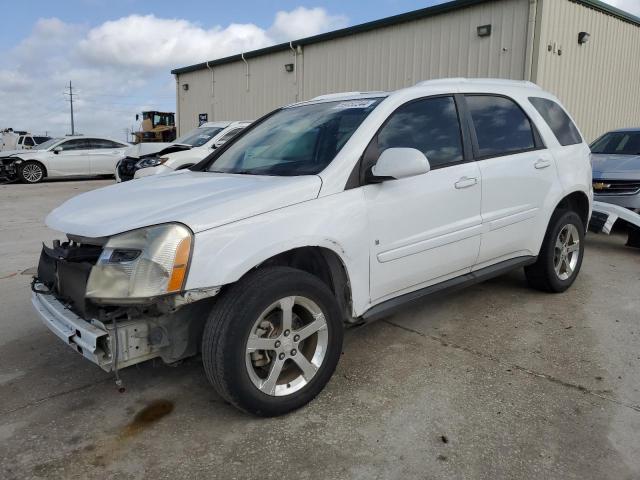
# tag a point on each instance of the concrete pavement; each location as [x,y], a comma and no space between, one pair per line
[497,381]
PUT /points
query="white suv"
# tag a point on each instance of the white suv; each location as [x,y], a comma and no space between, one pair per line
[326,213]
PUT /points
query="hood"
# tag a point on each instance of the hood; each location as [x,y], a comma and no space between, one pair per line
[194,153]
[140,150]
[611,166]
[200,200]
[8,153]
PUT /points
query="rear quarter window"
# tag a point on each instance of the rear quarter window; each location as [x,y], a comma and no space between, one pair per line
[557,120]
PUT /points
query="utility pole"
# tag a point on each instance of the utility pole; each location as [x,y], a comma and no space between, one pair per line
[73,130]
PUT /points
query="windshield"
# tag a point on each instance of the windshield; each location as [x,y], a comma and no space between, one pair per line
[47,144]
[199,136]
[300,140]
[620,143]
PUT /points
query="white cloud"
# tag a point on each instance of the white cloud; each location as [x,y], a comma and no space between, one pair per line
[631,6]
[122,66]
[302,22]
[153,42]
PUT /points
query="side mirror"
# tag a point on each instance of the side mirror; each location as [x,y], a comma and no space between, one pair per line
[397,163]
[217,145]
[57,150]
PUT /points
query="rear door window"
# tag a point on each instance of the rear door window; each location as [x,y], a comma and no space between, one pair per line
[558,120]
[76,144]
[501,126]
[101,143]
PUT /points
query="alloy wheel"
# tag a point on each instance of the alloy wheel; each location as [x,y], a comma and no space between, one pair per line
[286,346]
[566,251]
[32,173]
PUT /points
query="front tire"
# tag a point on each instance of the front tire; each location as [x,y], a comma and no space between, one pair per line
[272,341]
[31,172]
[561,254]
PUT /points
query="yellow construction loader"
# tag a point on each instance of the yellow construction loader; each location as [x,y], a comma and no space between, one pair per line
[156,127]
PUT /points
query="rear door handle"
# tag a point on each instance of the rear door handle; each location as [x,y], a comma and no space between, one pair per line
[542,163]
[466,182]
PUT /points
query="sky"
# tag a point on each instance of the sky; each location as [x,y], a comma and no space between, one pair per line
[119,53]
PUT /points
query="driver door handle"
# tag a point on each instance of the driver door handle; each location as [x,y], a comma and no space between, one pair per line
[542,163]
[466,182]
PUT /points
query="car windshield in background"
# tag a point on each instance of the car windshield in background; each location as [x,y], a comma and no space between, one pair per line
[299,140]
[199,137]
[620,143]
[47,144]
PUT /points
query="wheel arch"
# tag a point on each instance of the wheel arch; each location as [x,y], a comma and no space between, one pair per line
[325,264]
[576,201]
[32,160]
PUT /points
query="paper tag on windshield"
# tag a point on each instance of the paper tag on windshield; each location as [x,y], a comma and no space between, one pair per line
[355,104]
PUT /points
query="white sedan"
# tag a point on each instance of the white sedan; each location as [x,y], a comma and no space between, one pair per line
[61,157]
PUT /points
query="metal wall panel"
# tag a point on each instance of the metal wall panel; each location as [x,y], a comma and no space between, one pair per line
[444,45]
[599,82]
[387,58]
[231,98]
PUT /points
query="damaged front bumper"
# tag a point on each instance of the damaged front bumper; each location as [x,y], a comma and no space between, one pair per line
[88,338]
[171,336]
[114,335]
[605,215]
[8,168]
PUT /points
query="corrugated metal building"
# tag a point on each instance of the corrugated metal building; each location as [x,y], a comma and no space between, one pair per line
[535,40]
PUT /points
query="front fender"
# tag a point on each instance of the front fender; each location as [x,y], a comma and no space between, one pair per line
[222,255]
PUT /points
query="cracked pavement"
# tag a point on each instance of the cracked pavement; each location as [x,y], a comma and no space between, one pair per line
[496,381]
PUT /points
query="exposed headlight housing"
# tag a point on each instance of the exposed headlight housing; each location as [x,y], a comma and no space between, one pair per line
[151,162]
[142,264]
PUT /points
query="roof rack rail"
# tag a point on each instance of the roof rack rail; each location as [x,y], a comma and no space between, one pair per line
[337,96]
[483,81]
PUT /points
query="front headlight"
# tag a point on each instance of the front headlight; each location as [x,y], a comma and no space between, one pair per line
[151,162]
[140,264]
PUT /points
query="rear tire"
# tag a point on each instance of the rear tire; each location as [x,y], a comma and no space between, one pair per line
[31,172]
[263,360]
[561,254]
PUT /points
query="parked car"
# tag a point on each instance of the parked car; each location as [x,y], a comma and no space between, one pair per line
[185,152]
[615,159]
[61,157]
[326,213]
